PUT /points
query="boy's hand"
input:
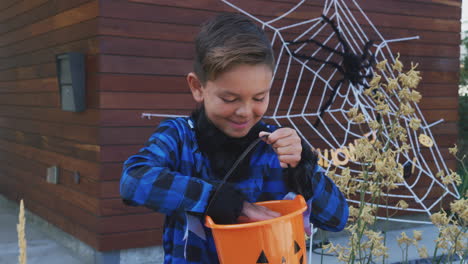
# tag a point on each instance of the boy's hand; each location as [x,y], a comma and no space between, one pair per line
[252,213]
[287,144]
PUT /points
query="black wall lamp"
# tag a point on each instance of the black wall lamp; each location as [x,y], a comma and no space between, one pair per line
[72,81]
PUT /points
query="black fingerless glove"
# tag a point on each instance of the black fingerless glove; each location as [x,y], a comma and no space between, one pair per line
[298,179]
[226,206]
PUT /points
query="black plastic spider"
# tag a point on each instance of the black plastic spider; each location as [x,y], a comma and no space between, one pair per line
[352,64]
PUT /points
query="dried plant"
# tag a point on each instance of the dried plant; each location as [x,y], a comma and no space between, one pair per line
[20,227]
[381,172]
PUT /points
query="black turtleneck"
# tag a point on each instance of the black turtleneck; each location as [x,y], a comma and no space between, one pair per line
[222,151]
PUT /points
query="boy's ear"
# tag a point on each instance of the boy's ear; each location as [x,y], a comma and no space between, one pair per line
[195,87]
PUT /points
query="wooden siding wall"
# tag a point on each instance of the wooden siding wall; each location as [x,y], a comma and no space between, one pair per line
[141,51]
[34,132]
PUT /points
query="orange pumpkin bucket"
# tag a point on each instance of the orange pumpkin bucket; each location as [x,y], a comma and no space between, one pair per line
[279,240]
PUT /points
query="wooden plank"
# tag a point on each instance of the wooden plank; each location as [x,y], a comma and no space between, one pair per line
[89,117]
[110,207]
[66,147]
[124,135]
[180,67]
[280,6]
[113,118]
[127,64]
[33,168]
[31,99]
[131,222]
[412,8]
[120,153]
[136,239]
[56,196]
[173,84]
[34,85]
[34,10]
[141,83]
[87,168]
[171,49]
[75,15]
[82,30]
[159,101]
[148,30]
[111,171]
[5,4]
[187,33]
[131,100]
[43,56]
[143,12]
[19,9]
[30,72]
[78,133]
[173,15]
[146,48]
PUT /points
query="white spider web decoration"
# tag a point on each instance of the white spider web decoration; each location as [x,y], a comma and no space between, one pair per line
[299,89]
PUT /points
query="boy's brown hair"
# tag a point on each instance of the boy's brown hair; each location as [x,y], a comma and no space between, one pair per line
[229,40]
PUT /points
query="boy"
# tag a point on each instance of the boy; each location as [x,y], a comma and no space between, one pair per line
[186,159]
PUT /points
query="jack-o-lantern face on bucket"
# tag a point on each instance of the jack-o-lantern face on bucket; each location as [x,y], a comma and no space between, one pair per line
[298,252]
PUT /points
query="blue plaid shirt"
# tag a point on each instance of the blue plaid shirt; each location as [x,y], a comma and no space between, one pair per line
[171,176]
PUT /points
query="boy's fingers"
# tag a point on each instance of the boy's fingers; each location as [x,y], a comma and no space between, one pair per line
[280,133]
[292,160]
[264,135]
[288,150]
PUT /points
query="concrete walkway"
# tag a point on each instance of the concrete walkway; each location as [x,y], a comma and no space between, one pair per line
[41,248]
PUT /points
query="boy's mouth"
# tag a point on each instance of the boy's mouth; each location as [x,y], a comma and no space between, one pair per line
[239,125]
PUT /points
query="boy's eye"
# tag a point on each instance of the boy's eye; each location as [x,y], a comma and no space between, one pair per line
[228,100]
[259,99]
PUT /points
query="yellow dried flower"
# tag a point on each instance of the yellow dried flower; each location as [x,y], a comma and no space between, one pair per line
[374,125]
[405,147]
[382,108]
[367,214]
[440,174]
[411,79]
[460,207]
[369,91]
[415,96]
[353,213]
[453,150]
[352,112]
[375,81]
[414,76]
[422,251]
[404,239]
[359,119]
[406,109]
[392,85]
[402,137]
[440,219]
[417,235]
[453,177]
[415,123]
[398,66]
[404,94]
[381,65]
[402,204]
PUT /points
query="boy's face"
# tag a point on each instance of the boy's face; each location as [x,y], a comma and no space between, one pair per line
[237,99]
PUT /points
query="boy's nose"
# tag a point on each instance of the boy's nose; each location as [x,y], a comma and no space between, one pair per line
[243,110]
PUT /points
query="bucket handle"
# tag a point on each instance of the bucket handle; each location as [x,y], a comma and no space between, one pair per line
[234,166]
